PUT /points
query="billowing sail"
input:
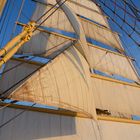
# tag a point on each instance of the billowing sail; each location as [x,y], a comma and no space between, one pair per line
[43,126]
[116,96]
[64,82]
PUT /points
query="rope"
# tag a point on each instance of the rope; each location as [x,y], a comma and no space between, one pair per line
[16,116]
[129,35]
[2,95]
[49,15]
[36,29]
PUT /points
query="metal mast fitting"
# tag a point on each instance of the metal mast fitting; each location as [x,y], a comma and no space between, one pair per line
[16,43]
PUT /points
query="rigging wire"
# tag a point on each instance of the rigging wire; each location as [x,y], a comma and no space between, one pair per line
[16,116]
[44,63]
[5,123]
[46,13]
[3,93]
[49,15]
[129,35]
[131,5]
[28,60]
[37,28]
[118,6]
[125,21]
[130,52]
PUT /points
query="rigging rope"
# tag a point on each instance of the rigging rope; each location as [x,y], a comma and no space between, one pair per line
[17,115]
[124,21]
[38,26]
[28,60]
[2,94]
[120,26]
[49,15]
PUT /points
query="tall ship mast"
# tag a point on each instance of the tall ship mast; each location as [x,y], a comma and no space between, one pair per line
[66,76]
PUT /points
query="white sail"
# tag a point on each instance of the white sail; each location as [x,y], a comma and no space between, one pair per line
[14,72]
[101,34]
[64,82]
[85,8]
[43,126]
[112,63]
[60,21]
[116,96]
[57,20]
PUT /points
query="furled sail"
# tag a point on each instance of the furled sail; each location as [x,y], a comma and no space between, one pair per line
[91,29]
[115,96]
[112,63]
[64,83]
